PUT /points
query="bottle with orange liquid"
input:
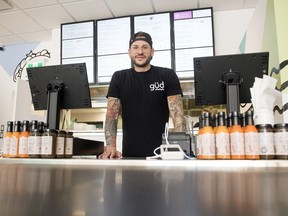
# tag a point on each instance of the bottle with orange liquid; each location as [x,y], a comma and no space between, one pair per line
[208,138]
[23,140]
[243,120]
[222,139]
[236,138]
[251,139]
[215,122]
[15,140]
[198,138]
[229,121]
[7,139]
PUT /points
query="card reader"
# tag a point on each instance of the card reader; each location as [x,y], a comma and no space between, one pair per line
[171,152]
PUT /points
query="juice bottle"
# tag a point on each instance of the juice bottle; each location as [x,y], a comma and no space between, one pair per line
[252,149]
[236,138]
[208,138]
[7,139]
[198,138]
[242,118]
[15,140]
[229,121]
[222,138]
[23,140]
[215,122]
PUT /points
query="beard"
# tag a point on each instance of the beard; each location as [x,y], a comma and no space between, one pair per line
[143,64]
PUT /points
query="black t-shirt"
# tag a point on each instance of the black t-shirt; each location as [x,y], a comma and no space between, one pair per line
[144,105]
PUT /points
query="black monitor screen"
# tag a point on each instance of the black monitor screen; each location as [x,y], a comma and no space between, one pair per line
[209,71]
[76,93]
[59,87]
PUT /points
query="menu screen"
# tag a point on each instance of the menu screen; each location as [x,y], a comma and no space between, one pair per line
[112,47]
[77,45]
[193,34]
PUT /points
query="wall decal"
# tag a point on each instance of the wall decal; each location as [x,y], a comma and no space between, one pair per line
[276,72]
[18,72]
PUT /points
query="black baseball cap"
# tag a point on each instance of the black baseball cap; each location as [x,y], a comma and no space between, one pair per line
[141,36]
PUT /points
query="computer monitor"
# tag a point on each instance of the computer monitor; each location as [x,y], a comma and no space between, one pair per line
[227,79]
[59,87]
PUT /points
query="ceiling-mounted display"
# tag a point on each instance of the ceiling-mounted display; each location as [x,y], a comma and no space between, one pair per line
[77,45]
[103,45]
[112,47]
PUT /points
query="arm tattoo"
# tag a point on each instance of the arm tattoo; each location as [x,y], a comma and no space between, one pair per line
[112,114]
[176,111]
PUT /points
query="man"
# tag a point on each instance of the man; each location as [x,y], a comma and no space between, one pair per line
[144,94]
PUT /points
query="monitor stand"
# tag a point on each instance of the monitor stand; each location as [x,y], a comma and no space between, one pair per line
[54,91]
[232,81]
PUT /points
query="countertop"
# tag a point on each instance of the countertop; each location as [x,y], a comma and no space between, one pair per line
[143,187]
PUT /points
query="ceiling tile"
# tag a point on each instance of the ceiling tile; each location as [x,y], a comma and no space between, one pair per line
[222,5]
[47,21]
[36,36]
[129,7]
[12,39]
[18,22]
[66,1]
[33,3]
[172,5]
[250,4]
[4,31]
[5,5]
[94,9]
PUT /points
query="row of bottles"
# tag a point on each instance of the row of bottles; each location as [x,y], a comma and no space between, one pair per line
[238,138]
[33,140]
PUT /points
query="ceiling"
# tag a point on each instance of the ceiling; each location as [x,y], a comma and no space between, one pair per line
[28,21]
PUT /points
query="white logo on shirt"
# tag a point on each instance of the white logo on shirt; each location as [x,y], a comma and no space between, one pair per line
[157,86]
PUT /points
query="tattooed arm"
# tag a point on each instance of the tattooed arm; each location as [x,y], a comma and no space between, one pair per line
[176,111]
[112,114]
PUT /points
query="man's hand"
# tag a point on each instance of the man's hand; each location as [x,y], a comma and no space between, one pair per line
[110,152]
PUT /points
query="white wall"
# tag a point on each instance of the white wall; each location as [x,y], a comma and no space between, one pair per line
[6,92]
[229,29]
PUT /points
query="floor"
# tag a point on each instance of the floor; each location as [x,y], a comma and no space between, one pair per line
[88,187]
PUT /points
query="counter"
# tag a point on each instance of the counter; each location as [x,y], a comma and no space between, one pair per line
[77,187]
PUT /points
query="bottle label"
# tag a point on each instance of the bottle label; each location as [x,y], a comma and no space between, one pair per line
[23,145]
[6,145]
[237,143]
[13,146]
[222,144]
[266,143]
[208,144]
[281,143]
[34,145]
[47,145]
[199,146]
[60,145]
[251,143]
[69,146]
